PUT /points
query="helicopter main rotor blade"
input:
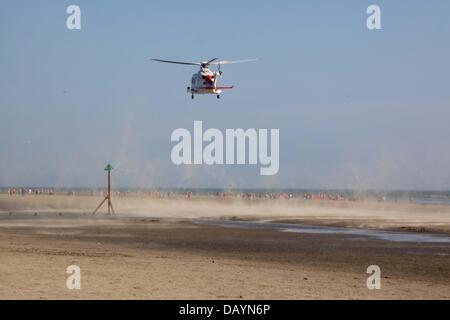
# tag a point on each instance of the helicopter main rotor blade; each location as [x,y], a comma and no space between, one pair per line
[230,62]
[211,61]
[178,62]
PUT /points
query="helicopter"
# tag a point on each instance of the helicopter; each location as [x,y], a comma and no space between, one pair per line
[205,81]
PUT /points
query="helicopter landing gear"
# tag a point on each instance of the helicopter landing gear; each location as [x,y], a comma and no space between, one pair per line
[218,97]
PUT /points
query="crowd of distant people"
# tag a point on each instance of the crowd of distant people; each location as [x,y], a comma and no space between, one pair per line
[158,194]
[329,196]
[26,191]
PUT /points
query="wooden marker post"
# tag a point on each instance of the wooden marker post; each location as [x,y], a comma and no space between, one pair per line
[108,195]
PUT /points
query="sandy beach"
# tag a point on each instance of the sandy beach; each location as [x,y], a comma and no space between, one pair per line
[168,249]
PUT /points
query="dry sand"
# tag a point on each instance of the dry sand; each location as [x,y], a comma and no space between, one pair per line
[151,249]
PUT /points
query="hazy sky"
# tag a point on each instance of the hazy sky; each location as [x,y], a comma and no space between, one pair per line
[355,108]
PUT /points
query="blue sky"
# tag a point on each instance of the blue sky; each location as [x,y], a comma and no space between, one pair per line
[355,108]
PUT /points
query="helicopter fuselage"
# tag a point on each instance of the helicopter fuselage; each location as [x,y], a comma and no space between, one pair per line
[204,82]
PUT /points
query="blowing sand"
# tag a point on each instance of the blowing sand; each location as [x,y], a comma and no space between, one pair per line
[153,249]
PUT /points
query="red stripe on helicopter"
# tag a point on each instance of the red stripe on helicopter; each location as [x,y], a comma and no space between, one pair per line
[224,88]
[212,88]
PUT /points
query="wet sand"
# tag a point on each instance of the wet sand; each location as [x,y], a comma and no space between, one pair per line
[162,252]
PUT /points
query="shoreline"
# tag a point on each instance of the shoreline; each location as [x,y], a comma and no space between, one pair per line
[422,218]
